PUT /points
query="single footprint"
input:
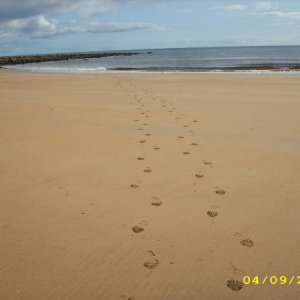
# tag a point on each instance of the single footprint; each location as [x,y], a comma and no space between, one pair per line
[220,192]
[156,201]
[247,243]
[148,134]
[134,186]
[199,176]
[208,163]
[142,141]
[195,121]
[140,128]
[148,170]
[185,125]
[137,229]
[156,148]
[140,158]
[212,214]
[186,153]
[194,144]
[152,264]
[181,137]
[151,253]
[235,285]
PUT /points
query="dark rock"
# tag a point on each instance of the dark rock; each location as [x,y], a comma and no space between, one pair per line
[14,60]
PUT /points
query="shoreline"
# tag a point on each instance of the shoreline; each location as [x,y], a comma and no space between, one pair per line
[148,71]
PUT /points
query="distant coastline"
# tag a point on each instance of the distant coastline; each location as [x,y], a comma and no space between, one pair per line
[16,60]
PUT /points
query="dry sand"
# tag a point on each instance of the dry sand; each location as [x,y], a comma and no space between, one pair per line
[93,207]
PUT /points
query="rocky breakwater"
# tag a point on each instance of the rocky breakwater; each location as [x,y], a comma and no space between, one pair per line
[15,60]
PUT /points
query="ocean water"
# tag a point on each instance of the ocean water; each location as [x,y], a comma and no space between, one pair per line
[217,59]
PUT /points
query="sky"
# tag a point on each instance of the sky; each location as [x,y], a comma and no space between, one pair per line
[50,26]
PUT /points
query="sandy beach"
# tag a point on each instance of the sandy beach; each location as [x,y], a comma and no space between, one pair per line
[149,186]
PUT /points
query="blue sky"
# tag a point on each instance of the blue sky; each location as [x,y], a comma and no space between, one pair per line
[45,26]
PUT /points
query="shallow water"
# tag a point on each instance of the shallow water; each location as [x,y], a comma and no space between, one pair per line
[179,60]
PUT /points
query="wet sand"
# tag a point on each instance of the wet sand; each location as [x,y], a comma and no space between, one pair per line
[148,186]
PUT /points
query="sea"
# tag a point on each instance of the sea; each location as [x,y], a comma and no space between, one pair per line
[260,59]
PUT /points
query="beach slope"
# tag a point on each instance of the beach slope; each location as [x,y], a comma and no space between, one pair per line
[148,186]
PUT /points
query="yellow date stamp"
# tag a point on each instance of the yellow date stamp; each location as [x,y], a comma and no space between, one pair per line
[272,280]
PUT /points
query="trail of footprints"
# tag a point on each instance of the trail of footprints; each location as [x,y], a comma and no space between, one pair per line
[141,105]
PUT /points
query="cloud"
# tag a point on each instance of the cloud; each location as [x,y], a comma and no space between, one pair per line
[233,8]
[237,8]
[42,27]
[284,15]
[263,5]
[89,8]
[27,19]
[17,9]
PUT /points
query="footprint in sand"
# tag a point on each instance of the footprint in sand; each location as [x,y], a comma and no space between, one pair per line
[142,141]
[136,120]
[235,285]
[156,201]
[134,186]
[220,192]
[199,176]
[140,128]
[212,214]
[151,264]
[247,243]
[140,158]
[137,229]
[208,163]
[148,170]
[151,253]
[148,134]
[194,144]
[195,121]
[185,125]
[145,124]
[186,153]
[177,118]
[156,148]
[181,137]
